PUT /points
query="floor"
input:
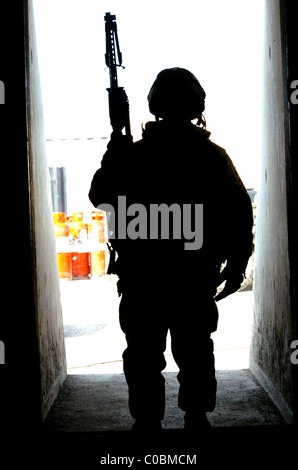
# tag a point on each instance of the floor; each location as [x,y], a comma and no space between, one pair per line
[90,421]
[98,403]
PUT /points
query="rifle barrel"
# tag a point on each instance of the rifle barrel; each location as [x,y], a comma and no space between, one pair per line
[112,48]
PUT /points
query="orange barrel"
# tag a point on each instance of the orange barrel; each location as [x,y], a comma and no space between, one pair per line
[64,265]
[62,243]
[78,229]
[96,233]
[96,229]
[80,265]
[80,258]
[98,263]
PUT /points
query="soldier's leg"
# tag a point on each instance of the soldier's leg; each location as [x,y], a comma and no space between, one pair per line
[192,349]
[143,359]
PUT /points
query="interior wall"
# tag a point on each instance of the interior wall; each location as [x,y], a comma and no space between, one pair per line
[48,310]
[292,74]
[272,319]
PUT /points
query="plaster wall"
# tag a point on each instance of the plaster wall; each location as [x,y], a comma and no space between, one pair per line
[48,310]
[272,335]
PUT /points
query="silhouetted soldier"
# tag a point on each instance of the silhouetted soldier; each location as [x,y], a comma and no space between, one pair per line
[163,285]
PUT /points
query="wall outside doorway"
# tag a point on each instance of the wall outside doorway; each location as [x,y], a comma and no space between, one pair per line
[273,314]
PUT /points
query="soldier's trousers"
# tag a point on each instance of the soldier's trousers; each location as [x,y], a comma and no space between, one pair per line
[145,318]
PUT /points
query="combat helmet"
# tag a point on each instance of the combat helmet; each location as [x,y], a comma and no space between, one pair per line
[176,92]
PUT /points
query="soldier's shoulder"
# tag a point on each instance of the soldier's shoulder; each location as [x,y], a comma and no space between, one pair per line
[216,154]
[202,136]
[217,149]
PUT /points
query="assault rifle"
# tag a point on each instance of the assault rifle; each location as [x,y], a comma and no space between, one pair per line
[118,102]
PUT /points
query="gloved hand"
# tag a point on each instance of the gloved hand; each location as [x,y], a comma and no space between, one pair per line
[119,108]
[233,280]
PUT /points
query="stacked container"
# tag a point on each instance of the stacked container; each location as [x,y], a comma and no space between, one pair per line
[96,235]
[80,257]
[62,233]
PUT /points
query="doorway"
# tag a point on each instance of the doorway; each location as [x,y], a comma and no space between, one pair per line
[69,143]
[226,114]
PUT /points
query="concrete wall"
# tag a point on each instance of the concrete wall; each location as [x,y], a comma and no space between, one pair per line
[272,319]
[48,311]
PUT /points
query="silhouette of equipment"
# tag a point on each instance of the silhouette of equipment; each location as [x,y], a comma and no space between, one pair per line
[118,101]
